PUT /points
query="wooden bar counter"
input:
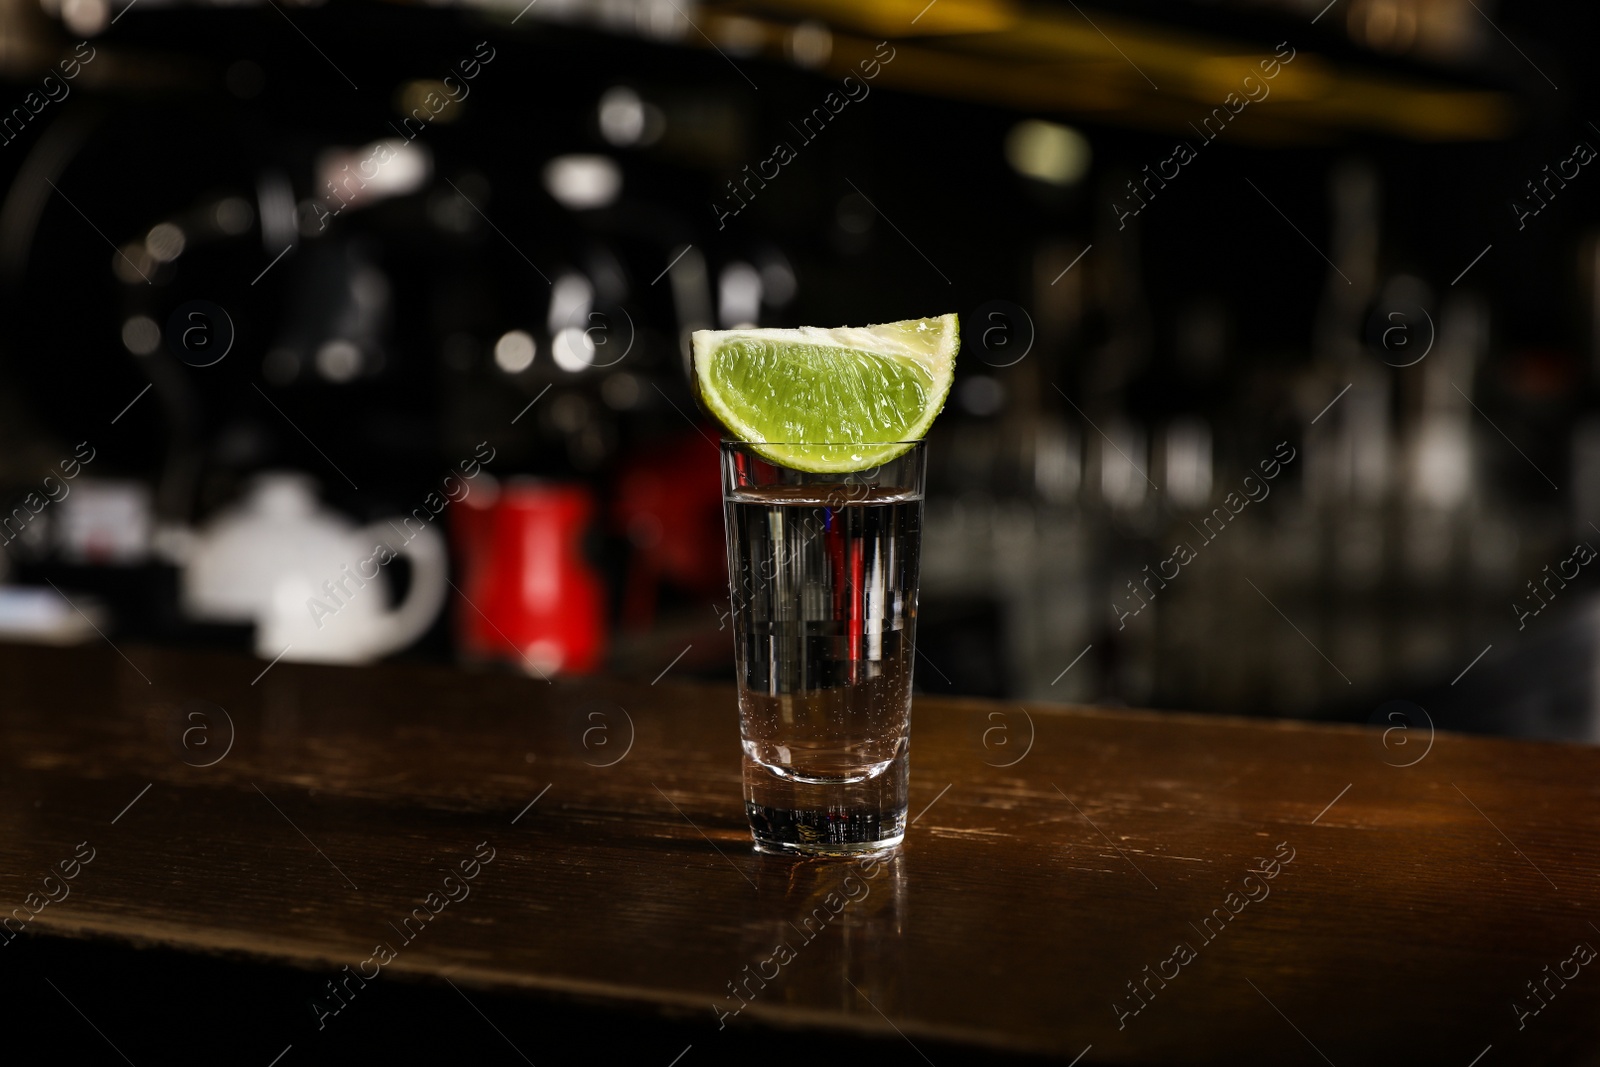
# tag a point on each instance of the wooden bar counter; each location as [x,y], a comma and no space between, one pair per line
[202,862]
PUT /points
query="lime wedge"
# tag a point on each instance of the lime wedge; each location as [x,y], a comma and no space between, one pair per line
[790,389]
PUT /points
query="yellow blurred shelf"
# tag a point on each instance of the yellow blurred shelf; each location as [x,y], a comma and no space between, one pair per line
[1112,68]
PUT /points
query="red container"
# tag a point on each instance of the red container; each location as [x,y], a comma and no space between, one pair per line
[668,503]
[528,594]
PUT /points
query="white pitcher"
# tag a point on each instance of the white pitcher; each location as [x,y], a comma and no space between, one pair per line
[310,579]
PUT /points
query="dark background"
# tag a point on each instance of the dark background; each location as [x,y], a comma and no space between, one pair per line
[1345,591]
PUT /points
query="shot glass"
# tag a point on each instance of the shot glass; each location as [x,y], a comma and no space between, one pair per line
[823,581]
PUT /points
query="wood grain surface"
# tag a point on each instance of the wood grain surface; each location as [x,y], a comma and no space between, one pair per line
[1076,883]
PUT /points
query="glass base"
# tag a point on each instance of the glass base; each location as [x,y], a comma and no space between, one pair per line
[825,831]
[787,848]
[853,818]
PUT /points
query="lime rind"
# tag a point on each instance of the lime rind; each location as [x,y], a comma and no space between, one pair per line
[819,459]
[795,394]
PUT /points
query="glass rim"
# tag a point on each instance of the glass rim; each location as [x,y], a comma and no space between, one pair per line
[734,441]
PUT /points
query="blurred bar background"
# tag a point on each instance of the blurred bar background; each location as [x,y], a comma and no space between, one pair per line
[1309,289]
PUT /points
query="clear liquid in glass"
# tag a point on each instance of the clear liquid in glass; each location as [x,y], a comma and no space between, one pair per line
[824,589]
